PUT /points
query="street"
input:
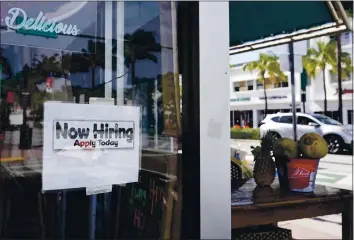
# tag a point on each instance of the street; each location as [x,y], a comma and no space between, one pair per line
[334,171]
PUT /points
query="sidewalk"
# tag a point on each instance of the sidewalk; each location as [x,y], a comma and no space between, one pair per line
[325,227]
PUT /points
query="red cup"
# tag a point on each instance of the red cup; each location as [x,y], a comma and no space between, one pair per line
[302,174]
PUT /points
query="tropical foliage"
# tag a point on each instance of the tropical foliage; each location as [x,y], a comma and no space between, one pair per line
[317,59]
[6,68]
[346,66]
[141,45]
[268,71]
[245,133]
[89,60]
[325,54]
[47,66]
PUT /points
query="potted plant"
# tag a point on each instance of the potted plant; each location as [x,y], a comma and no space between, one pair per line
[297,163]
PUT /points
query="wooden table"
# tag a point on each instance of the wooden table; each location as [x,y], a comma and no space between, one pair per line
[252,207]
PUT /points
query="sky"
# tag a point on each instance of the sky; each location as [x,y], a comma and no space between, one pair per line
[299,48]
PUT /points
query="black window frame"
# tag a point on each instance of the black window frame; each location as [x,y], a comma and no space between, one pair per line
[188,60]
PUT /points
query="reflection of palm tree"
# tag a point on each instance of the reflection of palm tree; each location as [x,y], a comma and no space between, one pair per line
[6,68]
[139,46]
[65,64]
[89,59]
[47,65]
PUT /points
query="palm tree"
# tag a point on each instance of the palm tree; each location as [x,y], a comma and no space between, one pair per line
[346,69]
[266,65]
[65,64]
[140,45]
[90,59]
[6,68]
[316,60]
[47,65]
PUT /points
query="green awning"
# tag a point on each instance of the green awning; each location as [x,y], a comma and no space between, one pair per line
[256,20]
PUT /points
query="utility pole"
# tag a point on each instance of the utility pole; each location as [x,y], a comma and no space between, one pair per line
[339,69]
[292,76]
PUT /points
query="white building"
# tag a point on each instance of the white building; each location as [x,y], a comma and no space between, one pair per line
[315,92]
[247,95]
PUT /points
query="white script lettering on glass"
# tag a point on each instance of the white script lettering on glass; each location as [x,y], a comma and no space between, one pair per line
[39,24]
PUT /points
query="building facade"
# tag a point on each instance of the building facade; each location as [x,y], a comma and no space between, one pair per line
[315,91]
[247,94]
[247,97]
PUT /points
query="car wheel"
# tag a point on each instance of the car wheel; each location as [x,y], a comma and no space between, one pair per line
[335,144]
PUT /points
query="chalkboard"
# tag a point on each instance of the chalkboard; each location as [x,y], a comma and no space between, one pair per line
[142,207]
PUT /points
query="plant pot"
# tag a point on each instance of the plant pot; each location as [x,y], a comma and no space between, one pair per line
[302,174]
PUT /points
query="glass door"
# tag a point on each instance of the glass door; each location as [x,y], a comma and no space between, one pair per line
[126,51]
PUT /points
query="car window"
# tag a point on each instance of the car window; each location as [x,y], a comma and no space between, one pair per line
[303,120]
[327,120]
[286,119]
[275,119]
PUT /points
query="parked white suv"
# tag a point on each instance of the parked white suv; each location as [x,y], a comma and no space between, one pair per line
[338,136]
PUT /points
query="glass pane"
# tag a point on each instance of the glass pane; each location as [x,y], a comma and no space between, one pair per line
[126,51]
[286,119]
[243,86]
[250,85]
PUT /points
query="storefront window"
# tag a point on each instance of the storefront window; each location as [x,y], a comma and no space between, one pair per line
[282,84]
[236,86]
[250,85]
[73,52]
[243,86]
[271,84]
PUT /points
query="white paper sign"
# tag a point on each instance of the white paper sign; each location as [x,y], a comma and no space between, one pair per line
[90,145]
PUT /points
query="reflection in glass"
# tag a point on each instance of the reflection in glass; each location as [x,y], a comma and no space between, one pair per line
[326,120]
[131,58]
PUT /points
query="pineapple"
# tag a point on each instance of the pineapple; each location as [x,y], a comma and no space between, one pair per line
[263,194]
[264,167]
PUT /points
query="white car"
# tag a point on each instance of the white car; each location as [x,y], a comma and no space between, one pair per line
[338,136]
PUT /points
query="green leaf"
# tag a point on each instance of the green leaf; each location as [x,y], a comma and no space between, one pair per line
[266,65]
